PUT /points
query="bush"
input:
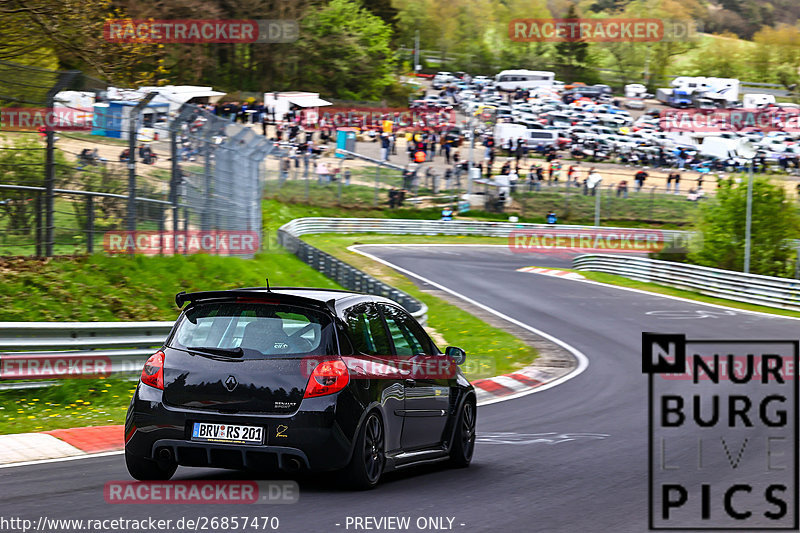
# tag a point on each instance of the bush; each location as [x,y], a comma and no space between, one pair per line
[722,229]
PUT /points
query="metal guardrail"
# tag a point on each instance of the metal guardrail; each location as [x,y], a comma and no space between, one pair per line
[308,226]
[353,279]
[120,347]
[783,293]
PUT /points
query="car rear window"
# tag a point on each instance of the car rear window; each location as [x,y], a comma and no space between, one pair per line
[259,329]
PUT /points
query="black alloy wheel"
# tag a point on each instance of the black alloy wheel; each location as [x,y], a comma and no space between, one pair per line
[464,438]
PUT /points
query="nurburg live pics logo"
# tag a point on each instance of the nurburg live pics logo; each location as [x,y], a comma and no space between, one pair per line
[722,433]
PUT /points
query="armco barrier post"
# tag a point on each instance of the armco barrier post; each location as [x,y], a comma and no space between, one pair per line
[89,224]
[652,201]
[598,194]
[377,180]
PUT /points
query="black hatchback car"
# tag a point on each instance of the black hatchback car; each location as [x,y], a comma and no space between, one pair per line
[298,379]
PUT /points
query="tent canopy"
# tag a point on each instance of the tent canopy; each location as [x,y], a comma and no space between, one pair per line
[308,101]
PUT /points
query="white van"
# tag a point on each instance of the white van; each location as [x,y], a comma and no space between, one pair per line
[510,80]
[506,130]
[542,137]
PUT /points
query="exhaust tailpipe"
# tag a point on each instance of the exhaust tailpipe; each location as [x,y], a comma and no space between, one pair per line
[165,454]
[292,464]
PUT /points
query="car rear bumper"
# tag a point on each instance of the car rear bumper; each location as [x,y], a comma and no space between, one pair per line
[314,438]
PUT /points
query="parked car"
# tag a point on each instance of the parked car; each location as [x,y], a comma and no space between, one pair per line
[298,380]
[441,79]
[634,103]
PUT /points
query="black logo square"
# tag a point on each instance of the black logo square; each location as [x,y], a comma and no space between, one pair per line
[663,353]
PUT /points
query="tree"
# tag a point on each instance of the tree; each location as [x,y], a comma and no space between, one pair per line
[73,29]
[344,50]
[722,57]
[776,55]
[22,162]
[384,10]
[574,53]
[722,226]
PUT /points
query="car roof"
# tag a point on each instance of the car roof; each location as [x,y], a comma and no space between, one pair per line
[338,298]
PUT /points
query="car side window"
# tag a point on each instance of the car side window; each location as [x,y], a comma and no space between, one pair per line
[365,329]
[407,335]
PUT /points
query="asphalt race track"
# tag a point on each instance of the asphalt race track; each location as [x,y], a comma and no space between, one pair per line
[572,458]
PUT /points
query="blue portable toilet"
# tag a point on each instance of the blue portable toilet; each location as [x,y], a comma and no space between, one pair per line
[113,119]
[100,116]
[346,140]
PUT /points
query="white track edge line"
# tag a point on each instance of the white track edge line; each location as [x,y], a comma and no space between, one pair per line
[583,361]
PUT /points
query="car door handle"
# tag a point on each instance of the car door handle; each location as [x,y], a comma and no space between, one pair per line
[410,382]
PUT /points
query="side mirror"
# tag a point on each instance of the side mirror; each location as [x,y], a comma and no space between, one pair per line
[456,354]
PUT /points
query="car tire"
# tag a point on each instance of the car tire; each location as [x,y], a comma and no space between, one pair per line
[464,436]
[144,469]
[369,456]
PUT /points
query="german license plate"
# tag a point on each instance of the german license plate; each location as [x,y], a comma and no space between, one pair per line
[229,433]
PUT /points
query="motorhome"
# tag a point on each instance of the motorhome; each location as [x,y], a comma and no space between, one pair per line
[727,88]
[635,90]
[510,80]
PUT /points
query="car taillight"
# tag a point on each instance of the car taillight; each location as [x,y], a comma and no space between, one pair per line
[153,371]
[328,377]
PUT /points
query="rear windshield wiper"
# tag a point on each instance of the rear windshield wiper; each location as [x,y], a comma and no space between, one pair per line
[227,352]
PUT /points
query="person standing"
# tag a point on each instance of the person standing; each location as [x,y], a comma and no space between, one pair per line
[555,171]
[432,142]
[384,147]
[682,156]
[677,180]
[593,181]
[622,189]
[639,178]
[571,174]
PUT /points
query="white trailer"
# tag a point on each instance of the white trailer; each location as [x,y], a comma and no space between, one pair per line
[282,102]
[754,101]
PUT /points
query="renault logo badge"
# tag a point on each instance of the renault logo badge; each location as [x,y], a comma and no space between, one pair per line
[231,383]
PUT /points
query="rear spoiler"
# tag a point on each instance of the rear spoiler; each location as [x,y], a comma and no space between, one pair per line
[192,297]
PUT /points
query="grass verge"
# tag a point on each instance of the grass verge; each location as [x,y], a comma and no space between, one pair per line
[73,403]
[100,288]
